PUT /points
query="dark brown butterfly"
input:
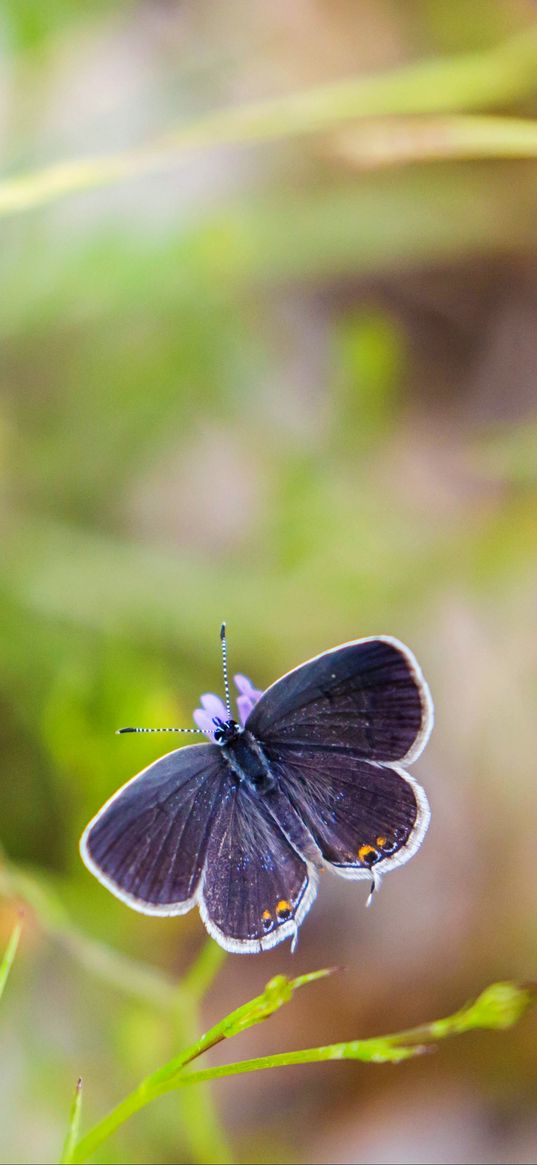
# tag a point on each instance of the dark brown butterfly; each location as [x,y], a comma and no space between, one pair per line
[311,774]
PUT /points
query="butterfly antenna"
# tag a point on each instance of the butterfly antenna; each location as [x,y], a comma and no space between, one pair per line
[197,731]
[223,642]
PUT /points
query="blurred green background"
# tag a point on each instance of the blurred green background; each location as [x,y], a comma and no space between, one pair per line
[291,384]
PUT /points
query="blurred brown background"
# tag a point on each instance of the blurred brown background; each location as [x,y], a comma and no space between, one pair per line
[296,389]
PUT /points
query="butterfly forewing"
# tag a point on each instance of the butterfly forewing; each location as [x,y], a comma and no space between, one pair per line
[149,842]
[367,696]
[256,887]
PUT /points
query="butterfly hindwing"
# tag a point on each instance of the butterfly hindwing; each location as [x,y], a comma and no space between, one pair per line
[368,696]
[256,887]
[148,844]
[360,813]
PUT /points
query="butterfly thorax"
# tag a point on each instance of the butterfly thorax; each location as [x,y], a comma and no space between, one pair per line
[245,757]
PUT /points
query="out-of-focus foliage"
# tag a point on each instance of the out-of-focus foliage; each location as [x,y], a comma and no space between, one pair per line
[293,387]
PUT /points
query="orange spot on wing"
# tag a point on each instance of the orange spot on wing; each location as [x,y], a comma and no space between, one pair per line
[283,908]
[367,853]
[381,841]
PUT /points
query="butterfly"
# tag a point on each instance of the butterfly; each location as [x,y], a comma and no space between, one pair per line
[311,775]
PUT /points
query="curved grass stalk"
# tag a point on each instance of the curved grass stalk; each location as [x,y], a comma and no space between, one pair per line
[493,77]
[499,1007]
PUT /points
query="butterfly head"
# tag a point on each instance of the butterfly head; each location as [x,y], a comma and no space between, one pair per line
[215,720]
[225,731]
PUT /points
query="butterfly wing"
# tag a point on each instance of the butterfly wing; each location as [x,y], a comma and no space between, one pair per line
[148,844]
[256,887]
[333,731]
[368,696]
[360,814]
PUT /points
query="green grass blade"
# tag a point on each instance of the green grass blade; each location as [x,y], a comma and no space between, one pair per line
[499,1007]
[278,991]
[400,141]
[71,1136]
[477,80]
[10,952]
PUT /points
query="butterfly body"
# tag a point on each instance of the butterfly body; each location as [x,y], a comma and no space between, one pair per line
[313,777]
[245,757]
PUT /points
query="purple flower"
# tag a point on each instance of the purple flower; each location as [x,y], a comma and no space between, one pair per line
[247,698]
[213,708]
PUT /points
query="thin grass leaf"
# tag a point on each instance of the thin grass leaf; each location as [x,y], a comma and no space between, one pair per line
[402,141]
[10,952]
[499,1007]
[71,1136]
[495,76]
[277,992]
